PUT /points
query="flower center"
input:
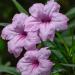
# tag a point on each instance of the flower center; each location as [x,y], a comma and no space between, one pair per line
[35,63]
[24,33]
[45,19]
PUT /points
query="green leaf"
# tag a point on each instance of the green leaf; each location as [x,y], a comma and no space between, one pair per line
[68,65]
[2,46]
[55,73]
[4,24]
[59,56]
[57,70]
[71,13]
[73,58]
[72,24]
[10,70]
[19,7]
[0,60]
[49,43]
[57,50]
[67,49]
[60,37]
[68,40]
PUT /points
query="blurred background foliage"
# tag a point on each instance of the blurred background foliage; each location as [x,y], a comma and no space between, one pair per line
[7,11]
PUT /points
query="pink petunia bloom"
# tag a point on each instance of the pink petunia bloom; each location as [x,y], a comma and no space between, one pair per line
[18,38]
[35,63]
[46,19]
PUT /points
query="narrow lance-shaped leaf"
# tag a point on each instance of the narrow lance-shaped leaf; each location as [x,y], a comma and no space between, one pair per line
[54,48]
[4,24]
[59,56]
[72,24]
[19,7]
[58,70]
[63,41]
[68,40]
[10,70]
[68,65]
[2,46]
[71,13]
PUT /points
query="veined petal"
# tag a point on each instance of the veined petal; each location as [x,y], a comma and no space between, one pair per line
[25,66]
[18,21]
[60,21]
[51,7]
[31,40]
[31,24]
[16,45]
[46,31]
[8,32]
[45,65]
[44,68]
[19,17]
[44,53]
[38,66]
[29,55]
[36,9]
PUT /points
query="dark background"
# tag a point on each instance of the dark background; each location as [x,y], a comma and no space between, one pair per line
[8,9]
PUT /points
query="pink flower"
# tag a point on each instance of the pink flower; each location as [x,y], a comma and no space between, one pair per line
[35,63]
[18,38]
[46,19]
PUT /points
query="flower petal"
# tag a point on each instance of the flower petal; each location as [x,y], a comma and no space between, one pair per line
[36,9]
[60,21]
[31,40]
[24,66]
[45,65]
[44,68]
[31,24]
[51,7]
[44,53]
[8,32]
[19,17]
[16,45]
[27,67]
[18,21]
[46,31]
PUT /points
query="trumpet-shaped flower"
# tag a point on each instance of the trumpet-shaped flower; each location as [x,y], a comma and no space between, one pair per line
[18,38]
[46,19]
[35,63]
